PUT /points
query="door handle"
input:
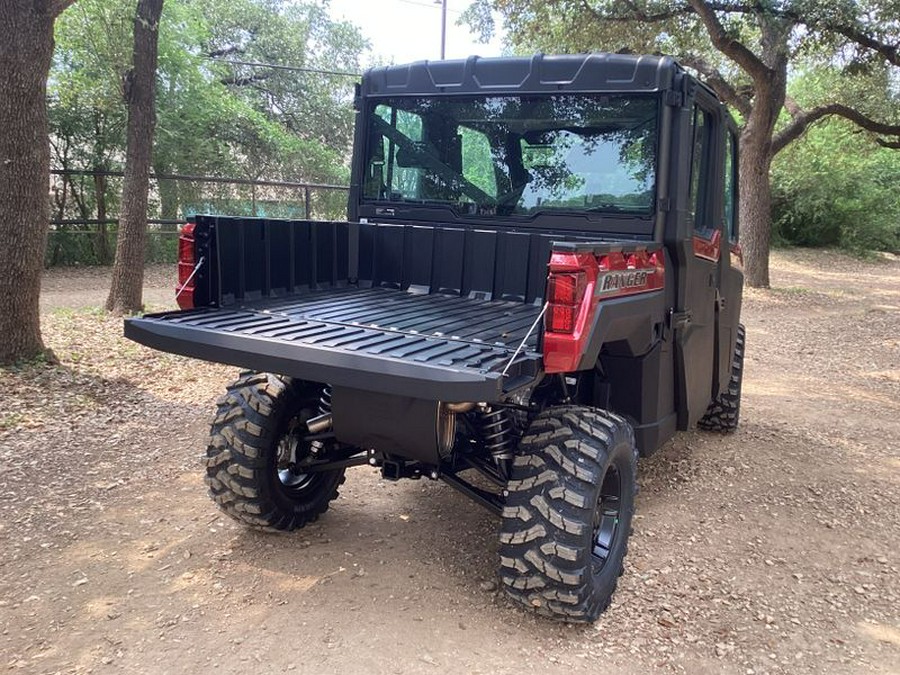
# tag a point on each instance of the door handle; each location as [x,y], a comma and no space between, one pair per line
[720,301]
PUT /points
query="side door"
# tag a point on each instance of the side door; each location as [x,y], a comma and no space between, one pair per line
[695,322]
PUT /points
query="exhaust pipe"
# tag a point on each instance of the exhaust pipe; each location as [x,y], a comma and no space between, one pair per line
[459,407]
[320,424]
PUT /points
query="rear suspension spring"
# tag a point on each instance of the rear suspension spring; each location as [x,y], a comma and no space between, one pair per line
[325,400]
[497,432]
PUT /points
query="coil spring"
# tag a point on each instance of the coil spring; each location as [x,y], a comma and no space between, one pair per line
[325,400]
[496,430]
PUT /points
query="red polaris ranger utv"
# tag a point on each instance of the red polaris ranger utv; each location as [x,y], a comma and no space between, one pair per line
[539,280]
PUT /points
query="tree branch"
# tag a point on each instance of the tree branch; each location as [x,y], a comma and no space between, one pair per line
[854,33]
[57,7]
[792,106]
[890,52]
[706,11]
[803,119]
[225,51]
[719,84]
[733,49]
[236,81]
[634,13]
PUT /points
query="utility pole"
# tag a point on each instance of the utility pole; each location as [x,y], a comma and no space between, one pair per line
[443,4]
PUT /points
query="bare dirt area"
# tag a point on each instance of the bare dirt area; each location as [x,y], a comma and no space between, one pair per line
[87,287]
[773,550]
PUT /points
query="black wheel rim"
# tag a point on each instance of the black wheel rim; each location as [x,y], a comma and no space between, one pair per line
[294,482]
[606,518]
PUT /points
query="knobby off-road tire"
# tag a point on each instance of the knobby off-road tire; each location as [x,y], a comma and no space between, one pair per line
[245,465]
[724,413]
[568,512]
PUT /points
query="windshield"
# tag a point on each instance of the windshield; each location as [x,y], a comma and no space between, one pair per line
[514,155]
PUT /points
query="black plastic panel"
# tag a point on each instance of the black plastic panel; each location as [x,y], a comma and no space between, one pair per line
[304,261]
[258,258]
[282,263]
[254,259]
[484,264]
[536,74]
[429,346]
[448,261]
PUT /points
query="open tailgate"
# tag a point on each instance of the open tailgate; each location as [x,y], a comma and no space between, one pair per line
[425,346]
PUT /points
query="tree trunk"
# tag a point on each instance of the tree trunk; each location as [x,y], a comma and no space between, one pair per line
[755,206]
[756,150]
[125,294]
[26,47]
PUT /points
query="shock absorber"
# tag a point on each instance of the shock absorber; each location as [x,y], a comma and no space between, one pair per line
[322,423]
[496,431]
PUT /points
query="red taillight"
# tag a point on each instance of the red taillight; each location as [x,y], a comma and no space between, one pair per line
[737,254]
[565,289]
[570,305]
[186,261]
[561,318]
[576,284]
[565,292]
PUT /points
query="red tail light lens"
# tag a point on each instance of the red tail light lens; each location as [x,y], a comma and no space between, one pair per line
[561,318]
[565,289]
[565,292]
[570,305]
[186,261]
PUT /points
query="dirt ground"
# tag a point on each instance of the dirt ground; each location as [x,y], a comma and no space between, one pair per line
[774,550]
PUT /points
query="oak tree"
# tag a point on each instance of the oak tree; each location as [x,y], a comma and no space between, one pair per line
[744,50]
[139,88]
[26,50]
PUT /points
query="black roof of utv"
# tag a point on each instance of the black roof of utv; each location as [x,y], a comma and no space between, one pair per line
[524,75]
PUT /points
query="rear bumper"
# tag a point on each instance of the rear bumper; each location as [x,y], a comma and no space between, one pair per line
[407,376]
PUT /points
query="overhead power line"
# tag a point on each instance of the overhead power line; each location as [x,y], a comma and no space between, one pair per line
[278,66]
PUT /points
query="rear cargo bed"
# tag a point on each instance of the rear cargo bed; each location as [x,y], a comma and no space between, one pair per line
[434,346]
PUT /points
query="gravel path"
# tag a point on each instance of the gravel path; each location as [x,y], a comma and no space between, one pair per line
[774,550]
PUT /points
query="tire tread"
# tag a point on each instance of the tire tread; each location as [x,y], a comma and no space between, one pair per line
[724,413]
[243,437]
[545,562]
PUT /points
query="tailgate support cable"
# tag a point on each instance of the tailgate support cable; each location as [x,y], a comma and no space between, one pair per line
[525,339]
[188,280]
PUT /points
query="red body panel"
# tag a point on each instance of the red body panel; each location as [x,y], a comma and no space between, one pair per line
[708,249]
[570,312]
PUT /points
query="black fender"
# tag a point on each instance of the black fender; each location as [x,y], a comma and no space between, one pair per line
[631,326]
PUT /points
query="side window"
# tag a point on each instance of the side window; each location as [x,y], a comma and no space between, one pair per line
[386,177]
[701,156]
[477,162]
[731,187]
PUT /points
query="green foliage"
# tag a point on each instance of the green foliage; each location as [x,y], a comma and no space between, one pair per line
[835,187]
[214,118]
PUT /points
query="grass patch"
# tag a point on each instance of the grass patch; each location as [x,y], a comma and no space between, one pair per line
[10,421]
